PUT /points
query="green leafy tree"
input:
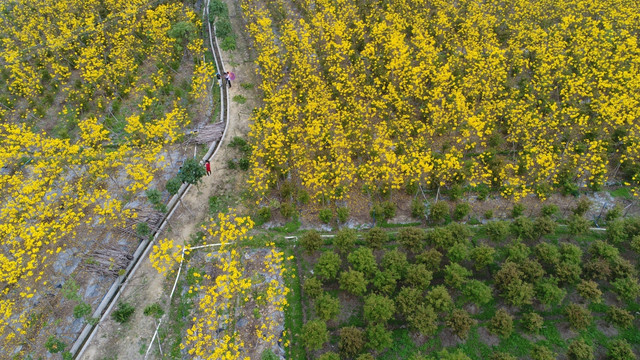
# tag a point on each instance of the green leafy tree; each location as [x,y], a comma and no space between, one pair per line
[459,232]
[311,241]
[173,185]
[328,265]
[461,210]
[501,323]
[532,322]
[615,231]
[385,281]
[411,238]
[329,356]
[431,259]
[455,275]
[379,337]
[327,307]
[460,322]
[345,240]
[578,225]
[376,237]
[570,253]
[544,226]
[627,287]
[458,252]
[580,350]
[314,334]
[620,349]
[407,299]
[548,253]
[497,230]
[519,293]
[378,308]
[354,282]
[396,262]
[619,317]
[362,259]
[418,275]
[568,272]
[477,292]
[541,352]
[351,341]
[548,292]
[532,270]
[588,289]
[440,237]
[457,355]
[582,206]
[502,356]
[423,319]
[523,228]
[312,287]
[483,256]
[192,172]
[578,316]
[439,299]
[517,251]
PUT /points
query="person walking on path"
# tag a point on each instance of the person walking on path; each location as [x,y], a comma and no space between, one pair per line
[227,76]
[219,79]
[207,166]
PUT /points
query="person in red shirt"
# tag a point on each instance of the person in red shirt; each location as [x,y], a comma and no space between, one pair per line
[207,166]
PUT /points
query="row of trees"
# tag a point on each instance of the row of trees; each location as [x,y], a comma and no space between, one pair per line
[518,96]
[420,278]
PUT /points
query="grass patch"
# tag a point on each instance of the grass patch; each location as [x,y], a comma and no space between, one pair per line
[240,99]
[293,318]
[247,86]
[622,193]
[402,347]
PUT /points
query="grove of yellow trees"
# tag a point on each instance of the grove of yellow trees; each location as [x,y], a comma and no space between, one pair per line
[525,97]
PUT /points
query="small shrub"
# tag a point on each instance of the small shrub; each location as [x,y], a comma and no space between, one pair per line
[228,44]
[311,241]
[379,337]
[345,240]
[615,231]
[223,27]
[268,354]
[287,210]
[502,356]
[123,313]
[459,232]
[501,324]
[461,210]
[418,208]
[620,350]
[239,99]
[613,214]
[154,310]
[517,210]
[363,260]
[604,250]
[532,270]
[460,322]
[517,251]
[385,281]
[343,214]
[579,317]
[541,352]
[488,214]
[351,341]
[582,206]
[549,210]
[325,215]
[549,293]
[376,237]
[635,243]
[438,212]
[580,350]
[407,299]
[328,265]
[568,272]
[532,322]
[378,308]
[312,287]
[314,334]
[457,355]
[143,230]
[354,282]
[366,357]
[519,293]
[388,210]
[411,238]
[264,214]
[327,307]
[81,310]
[619,317]
[54,345]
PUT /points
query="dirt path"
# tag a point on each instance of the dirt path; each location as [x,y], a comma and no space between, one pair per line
[130,341]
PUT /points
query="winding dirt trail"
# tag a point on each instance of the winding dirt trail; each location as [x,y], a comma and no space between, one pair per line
[129,341]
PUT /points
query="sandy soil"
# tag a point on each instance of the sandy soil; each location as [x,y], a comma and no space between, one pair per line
[130,341]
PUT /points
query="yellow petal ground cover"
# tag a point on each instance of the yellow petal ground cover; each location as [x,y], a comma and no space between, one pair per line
[526,97]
